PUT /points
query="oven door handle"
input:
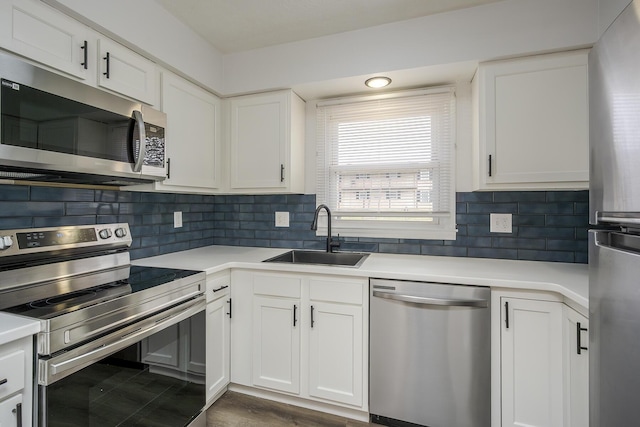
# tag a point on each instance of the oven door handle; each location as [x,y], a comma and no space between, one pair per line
[58,367]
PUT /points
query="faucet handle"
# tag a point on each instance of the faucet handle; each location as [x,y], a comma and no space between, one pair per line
[334,243]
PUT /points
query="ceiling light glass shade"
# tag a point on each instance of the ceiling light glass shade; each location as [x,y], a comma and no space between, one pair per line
[377,82]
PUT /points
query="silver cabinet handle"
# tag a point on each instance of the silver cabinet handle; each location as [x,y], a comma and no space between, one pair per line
[433,301]
[142,148]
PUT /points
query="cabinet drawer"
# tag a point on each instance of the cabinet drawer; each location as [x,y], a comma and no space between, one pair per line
[217,286]
[336,290]
[277,285]
[11,373]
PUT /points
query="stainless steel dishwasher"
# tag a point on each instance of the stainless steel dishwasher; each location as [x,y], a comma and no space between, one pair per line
[429,354]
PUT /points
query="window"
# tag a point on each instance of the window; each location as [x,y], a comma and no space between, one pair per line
[386,164]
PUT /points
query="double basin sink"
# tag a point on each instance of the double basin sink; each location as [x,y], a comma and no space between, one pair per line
[342,259]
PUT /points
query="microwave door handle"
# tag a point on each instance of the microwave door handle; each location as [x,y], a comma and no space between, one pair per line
[142,147]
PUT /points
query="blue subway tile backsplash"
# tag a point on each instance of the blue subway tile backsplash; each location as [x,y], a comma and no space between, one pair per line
[547,225]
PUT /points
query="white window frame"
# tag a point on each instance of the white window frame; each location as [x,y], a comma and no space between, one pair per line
[414,225]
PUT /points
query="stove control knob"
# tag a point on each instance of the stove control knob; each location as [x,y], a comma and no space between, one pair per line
[5,242]
[105,233]
[121,232]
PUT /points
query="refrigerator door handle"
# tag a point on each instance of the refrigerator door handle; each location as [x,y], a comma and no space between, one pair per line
[617,217]
[617,240]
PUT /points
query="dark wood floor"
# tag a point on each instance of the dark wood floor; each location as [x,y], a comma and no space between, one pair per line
[240,410]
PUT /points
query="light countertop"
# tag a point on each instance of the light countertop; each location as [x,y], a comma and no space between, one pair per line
[568,280]
[14,327]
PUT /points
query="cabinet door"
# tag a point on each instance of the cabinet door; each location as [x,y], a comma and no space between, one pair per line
[533,123]
[12,412]
[276,343]
[576,369]
[38,32]
[335,352]
[217,346]
[241,325]
[124,71]
[193,127]
[259,139]
[531,356]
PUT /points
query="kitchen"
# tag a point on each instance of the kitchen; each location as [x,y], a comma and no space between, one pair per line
[246,219]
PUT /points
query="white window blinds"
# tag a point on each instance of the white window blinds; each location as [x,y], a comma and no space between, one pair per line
[386,164]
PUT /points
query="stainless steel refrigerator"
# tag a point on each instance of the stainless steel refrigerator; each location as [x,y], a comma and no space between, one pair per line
[614,244]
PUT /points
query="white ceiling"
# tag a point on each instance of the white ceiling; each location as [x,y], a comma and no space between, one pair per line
[239,25]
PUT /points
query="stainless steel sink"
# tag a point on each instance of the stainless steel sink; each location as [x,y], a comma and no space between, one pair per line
[343,259]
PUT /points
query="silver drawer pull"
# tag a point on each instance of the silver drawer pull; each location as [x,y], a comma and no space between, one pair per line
[3,381]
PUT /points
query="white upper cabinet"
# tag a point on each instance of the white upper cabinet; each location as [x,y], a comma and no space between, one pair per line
[36,31]
[531,123]
[267,143]
[42,34]
[124,71]
[193,136]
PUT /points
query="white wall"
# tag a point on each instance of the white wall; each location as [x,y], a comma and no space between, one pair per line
[508,28]
[608,11]
[145,26]
[497,30]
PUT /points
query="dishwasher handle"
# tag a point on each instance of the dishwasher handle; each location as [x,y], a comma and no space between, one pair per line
[432,301]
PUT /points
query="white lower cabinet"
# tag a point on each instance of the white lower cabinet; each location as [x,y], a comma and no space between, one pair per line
[337,339]
[576,374]
[308,336]
[531,363]
[16,382]
[276,343]
[12,411]
[218,314]
[335,352]
[543,381]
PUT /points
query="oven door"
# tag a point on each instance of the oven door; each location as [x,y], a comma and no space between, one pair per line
[149,373]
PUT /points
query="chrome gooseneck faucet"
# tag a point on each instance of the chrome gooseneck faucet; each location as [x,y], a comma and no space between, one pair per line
[314,226]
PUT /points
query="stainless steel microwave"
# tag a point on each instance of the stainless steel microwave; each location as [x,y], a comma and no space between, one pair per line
[56,129]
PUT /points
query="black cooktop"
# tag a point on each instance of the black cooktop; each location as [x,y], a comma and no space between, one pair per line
[139,278]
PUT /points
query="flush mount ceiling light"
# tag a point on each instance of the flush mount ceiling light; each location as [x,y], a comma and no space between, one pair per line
[378,82]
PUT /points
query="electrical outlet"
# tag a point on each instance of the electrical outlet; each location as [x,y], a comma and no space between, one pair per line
[177,219]
[500,223]
[282,219]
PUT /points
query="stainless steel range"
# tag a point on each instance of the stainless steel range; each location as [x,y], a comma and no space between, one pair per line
[120,345]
